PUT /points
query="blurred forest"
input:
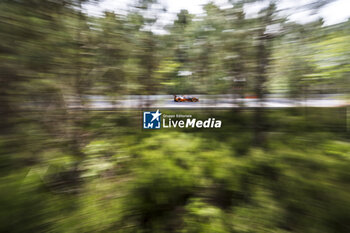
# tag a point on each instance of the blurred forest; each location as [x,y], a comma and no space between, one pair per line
[77,170]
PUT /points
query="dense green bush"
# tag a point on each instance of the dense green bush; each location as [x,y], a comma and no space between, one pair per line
[181,181]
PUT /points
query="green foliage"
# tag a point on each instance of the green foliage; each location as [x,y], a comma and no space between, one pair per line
[66,169]
[183,181]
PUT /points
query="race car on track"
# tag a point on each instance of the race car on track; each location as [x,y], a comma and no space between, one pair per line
[183,98]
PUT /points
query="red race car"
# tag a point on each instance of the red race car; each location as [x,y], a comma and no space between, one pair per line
[182,98]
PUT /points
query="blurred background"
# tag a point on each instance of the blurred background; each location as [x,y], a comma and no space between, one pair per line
[76,74]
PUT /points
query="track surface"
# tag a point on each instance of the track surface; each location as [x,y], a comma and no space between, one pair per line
[210,101]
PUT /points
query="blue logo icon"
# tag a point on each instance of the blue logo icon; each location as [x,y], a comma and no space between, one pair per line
[151,120]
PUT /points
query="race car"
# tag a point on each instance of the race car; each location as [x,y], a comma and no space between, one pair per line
[183,98]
